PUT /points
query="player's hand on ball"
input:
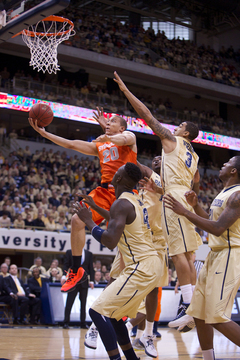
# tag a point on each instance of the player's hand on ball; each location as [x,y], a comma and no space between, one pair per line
[191,198]
[171,203]
[33,123]
[119,81]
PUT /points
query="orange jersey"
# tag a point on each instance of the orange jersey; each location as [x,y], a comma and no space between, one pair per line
[112,157]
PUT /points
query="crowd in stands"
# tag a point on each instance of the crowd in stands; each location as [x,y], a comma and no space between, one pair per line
[38,191]
[111,37]
[23,294]
[90,96]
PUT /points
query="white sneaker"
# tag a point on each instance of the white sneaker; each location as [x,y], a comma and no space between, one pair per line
[91,338]
[182,321]
[136,345]
[187,326]
[147,343]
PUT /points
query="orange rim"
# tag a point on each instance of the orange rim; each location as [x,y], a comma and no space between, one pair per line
[49,18]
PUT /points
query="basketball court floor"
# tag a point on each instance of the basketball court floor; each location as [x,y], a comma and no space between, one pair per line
[54,343]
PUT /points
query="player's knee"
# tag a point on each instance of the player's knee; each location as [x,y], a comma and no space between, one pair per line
[76,223]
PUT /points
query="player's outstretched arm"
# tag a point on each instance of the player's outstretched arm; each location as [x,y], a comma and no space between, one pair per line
[164,134]
[85,147]
[228,217]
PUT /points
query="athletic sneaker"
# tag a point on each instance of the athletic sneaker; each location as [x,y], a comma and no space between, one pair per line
[73,279]
[147,343]
[189,324]
[180,319]
[156,334]
[91,338]
[136,345]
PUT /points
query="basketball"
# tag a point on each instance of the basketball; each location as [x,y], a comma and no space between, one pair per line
[43,113]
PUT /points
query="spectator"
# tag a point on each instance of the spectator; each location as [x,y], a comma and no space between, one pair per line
[19,222]
[54,265]
[35,282]
[38,264]
[5,221]
[54,275]
[5,211]
[53,200]
[26,300]
[4,270]
[38,223]
[50,223]
[7,261]
[28,221]
[97,277]
[13,134]
[6,298]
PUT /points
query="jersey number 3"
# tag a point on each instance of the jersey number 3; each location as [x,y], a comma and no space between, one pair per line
[111,154]
[188,162]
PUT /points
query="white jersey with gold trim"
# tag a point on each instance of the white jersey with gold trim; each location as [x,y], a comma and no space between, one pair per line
[230,237]
[136,241]
[180,165]
[153,203]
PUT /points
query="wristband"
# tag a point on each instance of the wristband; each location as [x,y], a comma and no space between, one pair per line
[97,233]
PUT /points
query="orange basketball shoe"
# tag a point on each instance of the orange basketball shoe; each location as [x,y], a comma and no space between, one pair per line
[73,279]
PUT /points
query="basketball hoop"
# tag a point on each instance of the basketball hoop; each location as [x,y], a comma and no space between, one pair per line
[43,40]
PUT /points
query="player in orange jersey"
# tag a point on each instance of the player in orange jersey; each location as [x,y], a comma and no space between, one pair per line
[114,149]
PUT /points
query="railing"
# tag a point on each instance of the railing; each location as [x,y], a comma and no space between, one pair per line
[35,228]
[35,89]
[74,96]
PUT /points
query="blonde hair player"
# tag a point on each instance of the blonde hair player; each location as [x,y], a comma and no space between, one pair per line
[115,148]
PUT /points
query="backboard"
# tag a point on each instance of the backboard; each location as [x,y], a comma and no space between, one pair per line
[22,18]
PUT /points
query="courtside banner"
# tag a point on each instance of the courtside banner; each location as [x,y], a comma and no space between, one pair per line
[70,112]
[29,240]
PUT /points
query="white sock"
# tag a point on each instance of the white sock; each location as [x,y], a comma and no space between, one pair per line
[186,293]
[139,334]
[208,354]
[193,288]
[148,328]
[129,326]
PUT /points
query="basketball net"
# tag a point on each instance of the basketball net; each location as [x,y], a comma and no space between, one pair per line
[43,40]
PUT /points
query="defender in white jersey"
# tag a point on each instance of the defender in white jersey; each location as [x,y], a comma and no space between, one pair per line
[179,166]
[129,229]
[219,278]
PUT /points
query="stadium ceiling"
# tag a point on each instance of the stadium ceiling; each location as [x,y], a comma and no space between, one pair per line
[212,17]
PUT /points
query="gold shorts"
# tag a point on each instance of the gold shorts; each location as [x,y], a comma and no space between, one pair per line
[178,231]
[217,285]
[163,256]
[123,297]
[115,269]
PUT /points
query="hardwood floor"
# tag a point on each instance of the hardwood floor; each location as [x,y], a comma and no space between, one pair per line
[54,343]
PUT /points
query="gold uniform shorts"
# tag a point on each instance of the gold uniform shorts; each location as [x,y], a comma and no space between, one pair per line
[178,231]
[123,297]
[217,285]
